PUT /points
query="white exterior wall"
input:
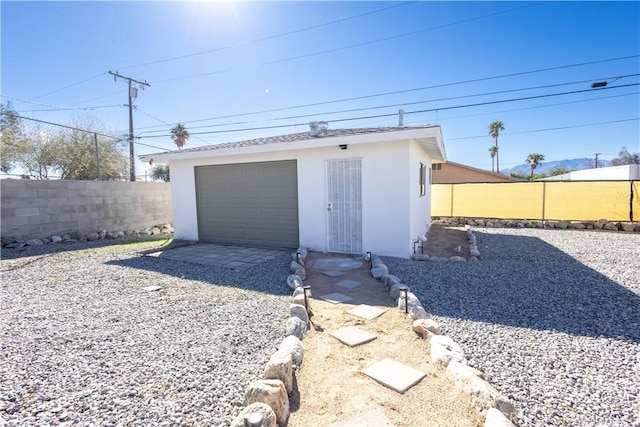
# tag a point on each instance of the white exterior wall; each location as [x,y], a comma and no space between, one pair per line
[388,220]
[420,206]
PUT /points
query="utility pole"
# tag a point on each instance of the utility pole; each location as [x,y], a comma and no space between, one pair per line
[597,154]
[133,93]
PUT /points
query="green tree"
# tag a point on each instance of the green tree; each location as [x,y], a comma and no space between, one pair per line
[161,173]
[559,171]
[12,139]
[493,151]
[43,152]
[534,161]
[75,155]
[179,135]
[626,158]
[494,131]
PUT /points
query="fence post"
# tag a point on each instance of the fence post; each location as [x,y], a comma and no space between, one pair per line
[544,199]
[631,200]
[451,207]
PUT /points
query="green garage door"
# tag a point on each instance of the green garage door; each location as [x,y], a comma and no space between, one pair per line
[251,204]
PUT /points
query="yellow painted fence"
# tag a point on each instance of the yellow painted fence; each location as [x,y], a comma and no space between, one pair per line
[540,200]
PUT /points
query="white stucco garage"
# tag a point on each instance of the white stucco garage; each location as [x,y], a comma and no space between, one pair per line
[344,191]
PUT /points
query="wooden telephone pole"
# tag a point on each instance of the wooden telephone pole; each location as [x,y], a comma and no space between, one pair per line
[133,93]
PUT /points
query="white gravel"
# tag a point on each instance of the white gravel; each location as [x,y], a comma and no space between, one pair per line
[83,344]
[551,316]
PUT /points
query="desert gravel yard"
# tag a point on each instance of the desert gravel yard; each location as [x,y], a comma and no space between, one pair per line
[84,344]
[551,316]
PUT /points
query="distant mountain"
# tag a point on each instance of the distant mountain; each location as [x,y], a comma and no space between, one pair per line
[569,164]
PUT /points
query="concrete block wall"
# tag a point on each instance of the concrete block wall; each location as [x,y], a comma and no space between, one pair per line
[39,209]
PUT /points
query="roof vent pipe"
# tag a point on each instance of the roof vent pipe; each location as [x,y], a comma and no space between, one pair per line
[313,126]
[323,127]
[400,118]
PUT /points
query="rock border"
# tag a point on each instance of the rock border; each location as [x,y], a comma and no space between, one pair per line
[496,408]
[73,237]
[474,252]
[266,400]
[601,224]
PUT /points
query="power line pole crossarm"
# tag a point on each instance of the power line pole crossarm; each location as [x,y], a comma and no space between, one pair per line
[133,93]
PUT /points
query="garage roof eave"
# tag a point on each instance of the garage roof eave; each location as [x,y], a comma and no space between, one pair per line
[428,137]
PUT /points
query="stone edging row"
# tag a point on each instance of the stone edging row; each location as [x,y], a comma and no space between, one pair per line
[493,406]
[84,237]
[267,400]
[601,224]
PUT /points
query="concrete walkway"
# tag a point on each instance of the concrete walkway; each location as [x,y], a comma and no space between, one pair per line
[232,257]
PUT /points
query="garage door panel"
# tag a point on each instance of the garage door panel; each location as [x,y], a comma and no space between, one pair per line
[248,204]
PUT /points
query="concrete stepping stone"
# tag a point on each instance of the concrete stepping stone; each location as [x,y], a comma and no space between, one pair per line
[366,311]
[375,418]
[333,273]
[352,336]
[395,375]
[337,264]
[349,284]
[336,298]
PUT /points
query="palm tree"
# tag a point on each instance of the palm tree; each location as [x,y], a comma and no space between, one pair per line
[534,160]
[493,150]
[494,132]
[179,135]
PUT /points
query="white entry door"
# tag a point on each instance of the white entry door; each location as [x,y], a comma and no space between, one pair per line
[344,206]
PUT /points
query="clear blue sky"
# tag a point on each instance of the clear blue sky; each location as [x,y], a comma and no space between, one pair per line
[250,66]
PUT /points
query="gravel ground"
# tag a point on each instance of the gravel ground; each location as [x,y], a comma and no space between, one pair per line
[551,316]
[83,344]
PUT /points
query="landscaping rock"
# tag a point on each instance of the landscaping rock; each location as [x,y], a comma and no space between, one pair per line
[294,281]
[378,272]
[299,311]
[35,242]
[444,350]
[92,236]
[271,393]
[417,312]
[420,257]
[295,327]
[394,291]
[495,418]
[265,411]
[294,266]
[279,367]
[423,326]
[293,346]
[56,239]
[628,227]
[438,259]
[457,259]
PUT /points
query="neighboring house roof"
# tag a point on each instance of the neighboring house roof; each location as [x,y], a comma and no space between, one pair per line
[455,173]
[428,136]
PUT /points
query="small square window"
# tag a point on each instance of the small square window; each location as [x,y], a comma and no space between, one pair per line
[436,166]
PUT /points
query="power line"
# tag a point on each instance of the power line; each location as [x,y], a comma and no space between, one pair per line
[520,73]
[54,107]
[417,111]
[68,86]
[326,113]
[81,130]
[550,129]
[288,33]
[323,52]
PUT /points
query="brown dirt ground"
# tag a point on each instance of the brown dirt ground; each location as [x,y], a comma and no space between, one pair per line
[329,386]
[442,241]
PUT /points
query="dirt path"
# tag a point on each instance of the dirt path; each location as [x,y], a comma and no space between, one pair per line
[330,385]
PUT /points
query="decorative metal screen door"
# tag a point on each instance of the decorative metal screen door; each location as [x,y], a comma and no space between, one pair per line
[344,206]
